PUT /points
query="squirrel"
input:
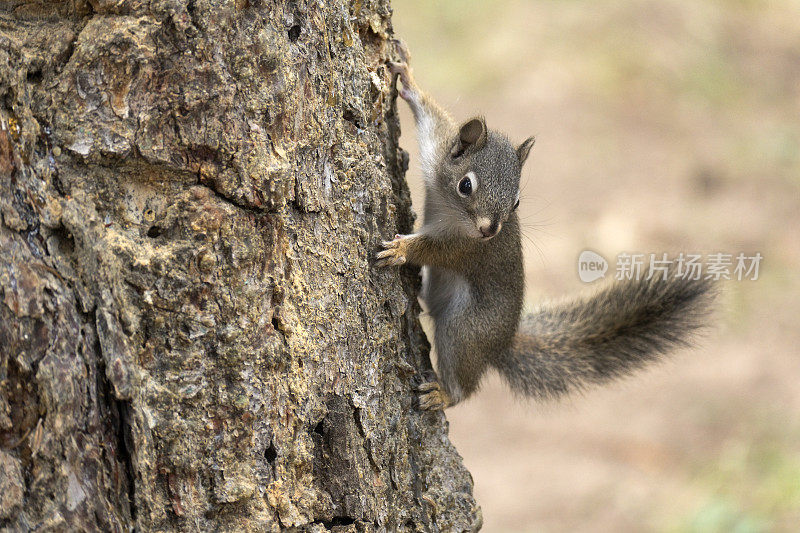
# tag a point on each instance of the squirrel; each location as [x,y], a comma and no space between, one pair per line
[470,246]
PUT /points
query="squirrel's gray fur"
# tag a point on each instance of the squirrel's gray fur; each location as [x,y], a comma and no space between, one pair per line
[591,340]
[471,251]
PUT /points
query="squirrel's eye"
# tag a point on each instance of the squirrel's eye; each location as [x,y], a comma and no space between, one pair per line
[465,186]
[516,204]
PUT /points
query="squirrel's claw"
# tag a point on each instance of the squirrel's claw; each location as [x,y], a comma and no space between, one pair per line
[432,397]
[407,90]
[427,386]
[401,68]
[389,258]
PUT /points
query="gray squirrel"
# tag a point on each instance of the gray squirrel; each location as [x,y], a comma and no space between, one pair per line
[470,245]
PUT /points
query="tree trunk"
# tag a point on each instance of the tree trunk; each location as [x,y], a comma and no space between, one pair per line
[193,335]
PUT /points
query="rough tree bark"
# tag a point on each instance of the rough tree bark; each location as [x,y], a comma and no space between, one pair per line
[192,334]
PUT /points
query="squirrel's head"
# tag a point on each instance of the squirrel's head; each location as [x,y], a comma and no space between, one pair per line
[478,179]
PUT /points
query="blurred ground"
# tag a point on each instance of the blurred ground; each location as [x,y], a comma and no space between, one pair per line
[662,126]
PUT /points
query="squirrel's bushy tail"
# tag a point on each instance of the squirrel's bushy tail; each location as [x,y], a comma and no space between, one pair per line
[621,328]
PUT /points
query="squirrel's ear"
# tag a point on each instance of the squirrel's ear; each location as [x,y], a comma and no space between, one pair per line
[471,134]
[524,149]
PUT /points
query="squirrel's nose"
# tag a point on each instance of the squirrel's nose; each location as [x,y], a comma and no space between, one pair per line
[489,229]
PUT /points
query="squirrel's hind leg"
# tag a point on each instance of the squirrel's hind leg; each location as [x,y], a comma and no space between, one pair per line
[458,375]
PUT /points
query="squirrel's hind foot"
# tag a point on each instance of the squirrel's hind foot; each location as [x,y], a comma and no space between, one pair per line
[432,397]
[402,50]
[409,90]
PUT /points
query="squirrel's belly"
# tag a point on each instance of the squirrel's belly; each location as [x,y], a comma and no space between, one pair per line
[443,290]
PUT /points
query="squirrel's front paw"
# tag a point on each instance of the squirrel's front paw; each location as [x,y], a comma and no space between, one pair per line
[432,397]
[395,252]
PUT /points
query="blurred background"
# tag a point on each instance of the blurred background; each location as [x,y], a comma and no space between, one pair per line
[662,126]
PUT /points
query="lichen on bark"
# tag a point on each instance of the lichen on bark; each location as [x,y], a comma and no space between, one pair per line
[192,332]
